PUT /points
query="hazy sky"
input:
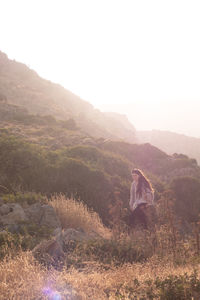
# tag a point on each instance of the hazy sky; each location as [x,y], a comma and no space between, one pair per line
[137,57]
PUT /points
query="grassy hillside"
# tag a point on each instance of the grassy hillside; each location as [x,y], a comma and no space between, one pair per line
[23,87]
[89,169]
[47,155]
[55,151]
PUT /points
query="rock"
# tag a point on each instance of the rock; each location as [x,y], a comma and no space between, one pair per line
[48,252]
[70,237]
[35,213]
[4,209]
[16,215]
[49,217]
[43,215]
[54,249]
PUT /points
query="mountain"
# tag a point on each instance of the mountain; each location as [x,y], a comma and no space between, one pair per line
[171,142]
[22,87]
[44,113]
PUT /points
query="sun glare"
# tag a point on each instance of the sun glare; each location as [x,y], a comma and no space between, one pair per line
[124,56]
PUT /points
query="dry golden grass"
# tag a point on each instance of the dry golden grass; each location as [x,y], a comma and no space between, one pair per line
[23,278]
[74,214]
[98,285]
[20,278]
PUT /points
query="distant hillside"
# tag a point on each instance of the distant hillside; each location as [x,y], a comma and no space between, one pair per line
[46,155]
[23,87]
[45,114]
[171,142]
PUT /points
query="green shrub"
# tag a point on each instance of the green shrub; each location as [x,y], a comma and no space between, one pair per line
[23,197]
[9,243]
[173,287]
[69,124]
[112,251]
[187,190]
[181,287]
[27,237]
[32,234]
[21,164]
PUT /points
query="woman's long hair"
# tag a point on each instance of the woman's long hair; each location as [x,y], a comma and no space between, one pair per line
[143,182]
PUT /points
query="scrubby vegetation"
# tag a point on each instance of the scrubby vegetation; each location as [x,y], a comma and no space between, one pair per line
[86,179]
[95,273]
[160,263]
[74,214]
[131,281]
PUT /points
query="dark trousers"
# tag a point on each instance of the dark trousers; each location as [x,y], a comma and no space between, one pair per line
[138,217]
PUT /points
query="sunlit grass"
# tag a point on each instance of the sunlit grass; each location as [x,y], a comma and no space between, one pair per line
[23,278]
[100,269]
[74,214]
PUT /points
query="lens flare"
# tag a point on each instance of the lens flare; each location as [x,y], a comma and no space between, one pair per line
[51,294]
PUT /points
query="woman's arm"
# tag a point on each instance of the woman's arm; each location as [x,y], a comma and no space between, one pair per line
[149,196]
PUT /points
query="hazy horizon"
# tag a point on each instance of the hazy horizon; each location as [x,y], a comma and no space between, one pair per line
[140,59]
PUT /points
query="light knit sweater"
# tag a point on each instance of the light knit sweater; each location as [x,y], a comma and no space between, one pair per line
[147,197]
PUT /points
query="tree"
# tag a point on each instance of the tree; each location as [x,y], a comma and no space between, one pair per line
[187,198]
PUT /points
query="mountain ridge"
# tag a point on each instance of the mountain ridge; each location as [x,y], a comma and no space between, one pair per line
[24,87]
[172,142]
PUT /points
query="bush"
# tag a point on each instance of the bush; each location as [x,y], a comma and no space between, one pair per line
[21,164]
[187,204]
[23,197]
[69,124]
[110,163]
[113,251]
[172,287]
[182,287]
[9,243]
[28,236]
[74,214]
[75,179]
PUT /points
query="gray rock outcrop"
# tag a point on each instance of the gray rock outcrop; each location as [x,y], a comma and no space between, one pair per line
[38,213]
[4,209]
[43,214]
[12,213]
[49,217]
[62,243]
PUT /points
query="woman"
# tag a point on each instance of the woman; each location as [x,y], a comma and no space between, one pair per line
[141,196]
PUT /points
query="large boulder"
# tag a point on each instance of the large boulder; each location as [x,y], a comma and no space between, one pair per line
[48,251]
[69,238]
[5,209]
[49,217]
[15,214]
[58,246]
[43,214]
[34,213]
